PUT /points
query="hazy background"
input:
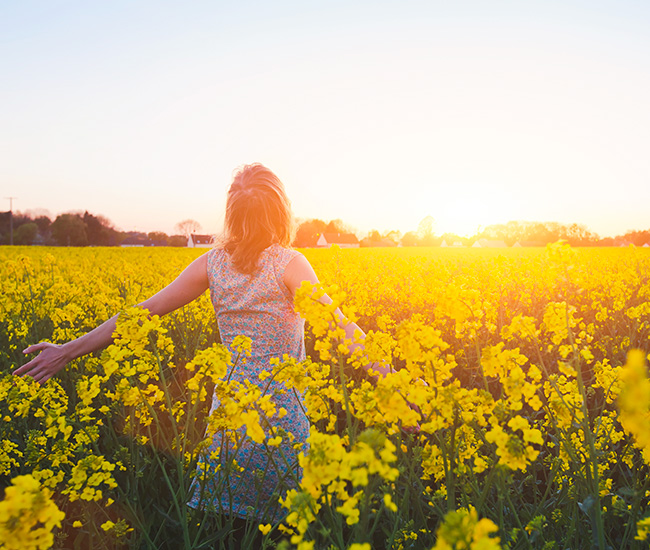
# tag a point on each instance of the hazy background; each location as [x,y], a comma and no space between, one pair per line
[378,113]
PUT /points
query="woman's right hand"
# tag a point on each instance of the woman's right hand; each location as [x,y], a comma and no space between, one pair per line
[51,359]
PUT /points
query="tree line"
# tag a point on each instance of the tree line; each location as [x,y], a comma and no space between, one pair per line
[86,229]
[522,232]
[75,229]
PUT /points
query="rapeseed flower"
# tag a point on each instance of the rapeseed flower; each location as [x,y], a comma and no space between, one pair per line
[462,530]
[28,515]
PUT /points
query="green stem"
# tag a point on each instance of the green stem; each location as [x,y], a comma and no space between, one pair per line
[346,399]
[517,520]
[451,480]
[631,524]
[593,479]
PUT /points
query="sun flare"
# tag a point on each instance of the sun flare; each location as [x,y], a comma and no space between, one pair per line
[465,210]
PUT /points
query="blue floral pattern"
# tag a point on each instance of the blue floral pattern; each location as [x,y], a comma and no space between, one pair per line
[259,306]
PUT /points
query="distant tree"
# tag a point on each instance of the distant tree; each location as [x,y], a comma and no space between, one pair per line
[26,233]
[542,233]
[19,218]
[539,232]
[579,235]
[510,232]
[34,213]
[177,240]
[9,219]
[638,238]
[158,238]
[308,233]
[394,235]
[372,239]
[375,238]
[187,227]
[410,239]
[99,230]
[43,219]
[69,230]
[135,238]
[4,227]
[338,226]
[426,234]
[43,223]
[452,238]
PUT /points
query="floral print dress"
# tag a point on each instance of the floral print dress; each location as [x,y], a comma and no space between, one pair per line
[259,306]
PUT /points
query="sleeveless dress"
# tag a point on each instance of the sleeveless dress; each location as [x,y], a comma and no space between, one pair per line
[259,306]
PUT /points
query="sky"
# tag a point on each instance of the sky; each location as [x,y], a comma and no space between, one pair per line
[376,113]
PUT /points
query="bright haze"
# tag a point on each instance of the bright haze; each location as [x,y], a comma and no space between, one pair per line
[376,113]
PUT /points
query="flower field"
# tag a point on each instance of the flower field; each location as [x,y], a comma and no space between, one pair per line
[518,415]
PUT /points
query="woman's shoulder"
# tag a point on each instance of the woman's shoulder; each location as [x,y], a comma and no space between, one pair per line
[216,251]
[215,256]
[282,254]
[279,257]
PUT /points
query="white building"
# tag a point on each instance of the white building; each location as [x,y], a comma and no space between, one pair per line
[485,243]
[200,241]
[343,240]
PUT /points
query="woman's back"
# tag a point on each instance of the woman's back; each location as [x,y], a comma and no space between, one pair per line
[257,305]
[260,306]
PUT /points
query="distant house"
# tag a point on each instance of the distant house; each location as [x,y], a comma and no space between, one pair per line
[344,240]
[455,244]
[485,243]
[200,241]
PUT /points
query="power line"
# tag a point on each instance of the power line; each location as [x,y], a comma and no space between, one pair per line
[11,219]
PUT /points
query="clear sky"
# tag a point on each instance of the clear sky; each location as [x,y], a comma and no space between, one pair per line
[377,113]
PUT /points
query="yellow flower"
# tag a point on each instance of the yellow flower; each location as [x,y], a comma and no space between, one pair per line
[350,510]
[251,420]
[643,529]
[28,515]
[242,345]
[388,502]
[634,401]
[463,530]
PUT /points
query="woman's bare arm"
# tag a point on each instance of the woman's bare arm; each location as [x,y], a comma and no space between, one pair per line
[188,286]
[298,270]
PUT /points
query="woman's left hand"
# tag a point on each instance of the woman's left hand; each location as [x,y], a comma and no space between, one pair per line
[51,359]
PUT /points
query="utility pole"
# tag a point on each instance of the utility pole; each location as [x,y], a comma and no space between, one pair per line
[11,219]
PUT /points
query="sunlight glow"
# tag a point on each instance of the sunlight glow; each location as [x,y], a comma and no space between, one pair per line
[465,209]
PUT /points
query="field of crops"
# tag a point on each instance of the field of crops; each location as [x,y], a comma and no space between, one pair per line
[518,415]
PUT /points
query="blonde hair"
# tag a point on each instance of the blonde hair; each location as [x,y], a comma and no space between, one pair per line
[258,214]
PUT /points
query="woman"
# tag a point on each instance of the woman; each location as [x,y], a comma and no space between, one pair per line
[252,280]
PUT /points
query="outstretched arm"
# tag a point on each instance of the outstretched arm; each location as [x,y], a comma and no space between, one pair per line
[298,270]
[188,286]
